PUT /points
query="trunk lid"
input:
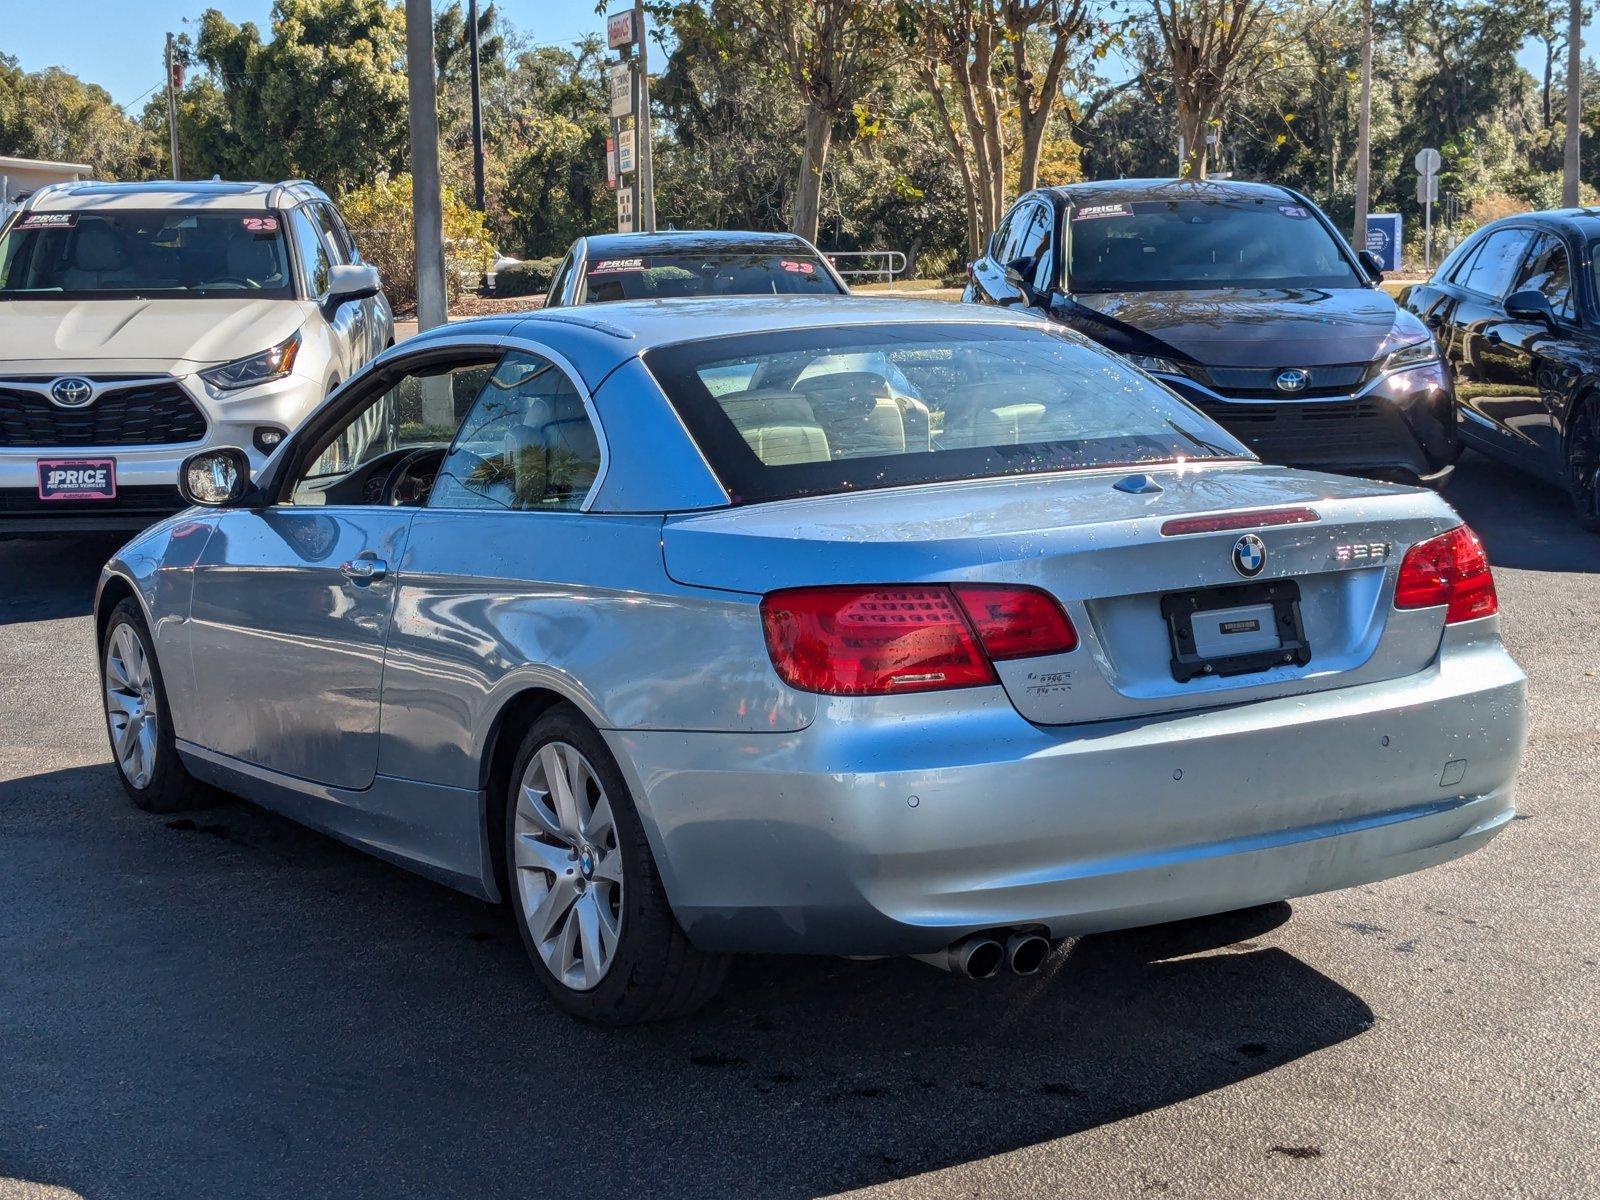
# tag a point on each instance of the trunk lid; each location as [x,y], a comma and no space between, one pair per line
[1101,551]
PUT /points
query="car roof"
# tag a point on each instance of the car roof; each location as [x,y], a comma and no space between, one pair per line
[1582,221]
[692,241]
[644,324]
[1128,191]
[211,194]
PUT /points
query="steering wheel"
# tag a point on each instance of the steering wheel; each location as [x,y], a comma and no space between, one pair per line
[400,474]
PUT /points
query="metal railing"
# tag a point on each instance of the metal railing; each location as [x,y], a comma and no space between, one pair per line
[890,263]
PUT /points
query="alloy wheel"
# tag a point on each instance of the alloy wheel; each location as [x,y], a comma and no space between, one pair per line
[131,705]
[569,875]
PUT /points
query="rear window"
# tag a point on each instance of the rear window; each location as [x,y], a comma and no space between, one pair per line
[172,254]
[659,276]
[814,411]
[1171,245]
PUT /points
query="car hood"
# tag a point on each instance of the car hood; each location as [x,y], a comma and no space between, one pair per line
[83,334]
[1251,327]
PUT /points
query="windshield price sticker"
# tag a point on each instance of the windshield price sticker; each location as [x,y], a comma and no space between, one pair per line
[608,266]
[1296,212]
[804,268]
[1095,212]
[261,224]
[48,221]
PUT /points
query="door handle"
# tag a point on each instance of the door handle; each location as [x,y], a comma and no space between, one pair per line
[364,570]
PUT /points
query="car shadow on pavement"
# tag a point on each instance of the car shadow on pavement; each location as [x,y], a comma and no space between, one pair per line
[225,1003]
[1524,522]
[45,579]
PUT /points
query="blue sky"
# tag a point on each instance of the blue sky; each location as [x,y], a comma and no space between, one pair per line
[117,43]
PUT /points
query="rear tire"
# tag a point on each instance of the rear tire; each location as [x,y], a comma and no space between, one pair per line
[138,718]
[1582,461]
[583,886]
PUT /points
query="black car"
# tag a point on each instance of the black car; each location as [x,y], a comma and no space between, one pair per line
[644,266]
[1516,308]
[1245,300]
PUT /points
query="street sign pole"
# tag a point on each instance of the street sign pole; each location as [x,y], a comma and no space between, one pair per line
[477,106]
[1427,164]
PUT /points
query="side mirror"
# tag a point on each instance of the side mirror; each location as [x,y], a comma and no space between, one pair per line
[215,478]
[1370,261]
[1015,277]
[1530,304]
[353,281]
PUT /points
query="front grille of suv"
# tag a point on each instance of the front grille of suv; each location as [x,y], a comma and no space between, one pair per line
[144,413]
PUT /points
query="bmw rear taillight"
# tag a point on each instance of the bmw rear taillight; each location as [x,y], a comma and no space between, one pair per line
[884,640]
[1450,570]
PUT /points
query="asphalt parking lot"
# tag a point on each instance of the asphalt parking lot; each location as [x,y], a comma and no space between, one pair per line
[225,1004]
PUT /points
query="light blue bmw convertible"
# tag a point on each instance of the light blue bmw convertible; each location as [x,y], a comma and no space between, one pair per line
[812,625]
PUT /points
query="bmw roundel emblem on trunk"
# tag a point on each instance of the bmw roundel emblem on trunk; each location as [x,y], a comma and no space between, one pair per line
[1249,555]
[71,392]
[1292,380]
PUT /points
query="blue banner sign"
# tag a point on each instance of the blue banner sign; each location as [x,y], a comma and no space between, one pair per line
[1383,239]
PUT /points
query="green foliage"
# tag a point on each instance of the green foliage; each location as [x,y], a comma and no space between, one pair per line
[530,278]
[53,114]
[379,215]
[323,99]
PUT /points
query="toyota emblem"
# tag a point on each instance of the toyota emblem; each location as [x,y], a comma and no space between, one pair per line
[71,392]
[1292,380]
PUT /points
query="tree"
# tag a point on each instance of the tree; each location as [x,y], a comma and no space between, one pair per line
[55,115]
[834,50]
[325,98]
[1216,50]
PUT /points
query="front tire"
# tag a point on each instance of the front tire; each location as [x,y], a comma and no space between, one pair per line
[1583,461]
[138,718]
[584,889]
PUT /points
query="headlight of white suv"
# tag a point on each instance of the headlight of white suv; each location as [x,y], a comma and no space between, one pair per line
[270,364]
[1415,355]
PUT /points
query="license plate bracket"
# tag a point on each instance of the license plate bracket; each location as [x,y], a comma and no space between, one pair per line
[77,478]
[1202,625]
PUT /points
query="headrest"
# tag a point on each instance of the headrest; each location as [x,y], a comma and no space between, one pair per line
[97,248]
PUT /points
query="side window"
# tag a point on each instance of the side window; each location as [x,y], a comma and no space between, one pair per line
[1491,271]
[314,257]
[334,234]
[528,443]
[1456,268]
[997,243]
[1036,246]
[1019,234]
[559,283]
[1547,271]
[420,411]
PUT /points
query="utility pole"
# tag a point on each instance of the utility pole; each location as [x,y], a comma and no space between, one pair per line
[427,223]
[477,107]
[174,82]
[1364,130]
[641,127]
[1569,173]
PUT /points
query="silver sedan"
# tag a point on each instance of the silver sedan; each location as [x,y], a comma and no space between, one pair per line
[810,625]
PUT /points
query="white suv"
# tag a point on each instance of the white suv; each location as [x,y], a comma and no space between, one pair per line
[141,322]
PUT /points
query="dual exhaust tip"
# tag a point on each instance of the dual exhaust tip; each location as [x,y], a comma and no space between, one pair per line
[982,956]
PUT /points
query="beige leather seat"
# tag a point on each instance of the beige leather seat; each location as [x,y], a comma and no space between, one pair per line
[779,426]
[554,454]
[98,260]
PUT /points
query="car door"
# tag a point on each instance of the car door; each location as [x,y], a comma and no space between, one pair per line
[1544,357]
[1490,385]
[292,602]
[990,284]
[346,324]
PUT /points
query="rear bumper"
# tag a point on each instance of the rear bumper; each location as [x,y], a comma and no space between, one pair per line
[1402,425]
[868,837]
